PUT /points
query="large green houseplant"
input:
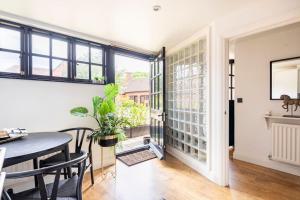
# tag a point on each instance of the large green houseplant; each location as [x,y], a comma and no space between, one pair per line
[110,125]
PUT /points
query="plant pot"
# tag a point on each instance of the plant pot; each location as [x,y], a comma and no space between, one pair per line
[108,141]
[98,81]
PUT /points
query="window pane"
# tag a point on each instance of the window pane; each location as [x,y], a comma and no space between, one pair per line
[82,71]
[96,55]
[40,44]
[40,66]
[59,48]
[59,68]
[96,71]
[9,62]
[10,39]
[82,53]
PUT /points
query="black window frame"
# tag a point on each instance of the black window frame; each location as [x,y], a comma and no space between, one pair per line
[108,53]
[50,36]
[26,55]
[90,45]
[15,27]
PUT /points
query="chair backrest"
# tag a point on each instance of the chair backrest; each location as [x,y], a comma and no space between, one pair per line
[81,134]
[81,162]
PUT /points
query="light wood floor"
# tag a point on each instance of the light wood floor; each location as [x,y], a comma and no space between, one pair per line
[172,180]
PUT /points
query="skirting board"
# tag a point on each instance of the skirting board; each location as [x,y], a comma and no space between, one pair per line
[283,167]
[192,163]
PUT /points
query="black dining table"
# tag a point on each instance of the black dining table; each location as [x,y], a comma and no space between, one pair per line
[35,145]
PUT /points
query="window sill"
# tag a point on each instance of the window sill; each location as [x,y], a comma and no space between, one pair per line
[40,78]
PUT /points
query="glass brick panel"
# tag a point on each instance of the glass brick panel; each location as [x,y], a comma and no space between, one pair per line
[187,92]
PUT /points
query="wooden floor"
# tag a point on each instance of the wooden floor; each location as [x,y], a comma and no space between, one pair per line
[172,180]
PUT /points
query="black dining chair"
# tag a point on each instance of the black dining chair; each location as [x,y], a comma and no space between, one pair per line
[64,189]
[82,133]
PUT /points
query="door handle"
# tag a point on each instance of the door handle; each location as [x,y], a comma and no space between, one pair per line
[163,116]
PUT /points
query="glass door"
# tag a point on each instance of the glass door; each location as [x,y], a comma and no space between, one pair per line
[157,108]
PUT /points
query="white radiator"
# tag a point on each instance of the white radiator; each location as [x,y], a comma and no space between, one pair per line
[286,143]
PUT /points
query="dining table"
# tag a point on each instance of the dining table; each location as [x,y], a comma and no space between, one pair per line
[35,145]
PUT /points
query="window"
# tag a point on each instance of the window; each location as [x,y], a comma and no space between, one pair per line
[231,80]
[49,56]
[135,99]
[37,54]
[59,63]
[142,99]
[89,62]
[10,50]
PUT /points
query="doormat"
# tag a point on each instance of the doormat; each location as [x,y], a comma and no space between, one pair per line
[133,158]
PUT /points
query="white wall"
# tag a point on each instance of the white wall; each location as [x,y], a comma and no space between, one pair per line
[44,106]
[248,20]
[252,57]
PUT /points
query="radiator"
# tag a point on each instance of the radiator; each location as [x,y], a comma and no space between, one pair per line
[286,143]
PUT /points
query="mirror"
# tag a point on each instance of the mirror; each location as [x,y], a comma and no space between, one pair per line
[285,78]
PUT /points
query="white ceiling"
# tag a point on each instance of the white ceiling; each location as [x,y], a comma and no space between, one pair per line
[130,22]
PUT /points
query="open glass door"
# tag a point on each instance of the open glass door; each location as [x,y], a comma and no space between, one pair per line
[157,108]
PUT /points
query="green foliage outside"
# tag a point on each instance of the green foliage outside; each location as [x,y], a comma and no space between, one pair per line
[136,114]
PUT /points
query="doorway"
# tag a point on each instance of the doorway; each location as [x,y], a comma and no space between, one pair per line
[231,105]
[132,76]
[141,101]
[254,139]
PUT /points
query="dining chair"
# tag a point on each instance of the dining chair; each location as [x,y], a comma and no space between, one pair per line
[70,188]
[82,133]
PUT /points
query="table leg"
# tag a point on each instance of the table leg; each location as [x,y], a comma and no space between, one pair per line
[35,166]
[67,156]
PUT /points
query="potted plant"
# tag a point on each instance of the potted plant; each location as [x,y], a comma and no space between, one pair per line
[98,79]
[110,125]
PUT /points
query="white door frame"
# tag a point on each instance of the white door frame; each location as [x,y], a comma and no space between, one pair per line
[220,58]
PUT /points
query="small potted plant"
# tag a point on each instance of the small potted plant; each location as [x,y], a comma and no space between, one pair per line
[110,125]
[98,80]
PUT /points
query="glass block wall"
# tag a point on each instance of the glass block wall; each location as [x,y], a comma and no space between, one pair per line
[187,93]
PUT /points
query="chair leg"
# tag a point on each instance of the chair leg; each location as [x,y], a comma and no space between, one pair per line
[92,174]
[91,168]
[35,166]
[78,169]
[65,173]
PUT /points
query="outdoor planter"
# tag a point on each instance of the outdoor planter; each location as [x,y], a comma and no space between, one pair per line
[137,131]
[108,141]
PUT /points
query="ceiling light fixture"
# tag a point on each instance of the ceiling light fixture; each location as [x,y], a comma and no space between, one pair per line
[157,8]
